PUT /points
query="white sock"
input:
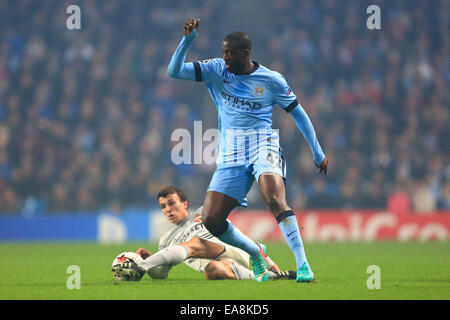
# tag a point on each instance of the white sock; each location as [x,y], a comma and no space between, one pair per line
[168,256]
[241,272]
[272,275]
[269,263]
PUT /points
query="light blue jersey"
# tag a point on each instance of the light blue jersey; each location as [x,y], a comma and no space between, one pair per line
[248,146]
[244,105]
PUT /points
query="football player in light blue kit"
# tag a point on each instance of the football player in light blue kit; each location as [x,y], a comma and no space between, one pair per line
[244,93]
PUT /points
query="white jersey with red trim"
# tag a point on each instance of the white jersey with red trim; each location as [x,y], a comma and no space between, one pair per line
[191,227]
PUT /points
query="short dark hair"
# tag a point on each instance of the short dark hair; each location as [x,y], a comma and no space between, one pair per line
[240,39]
[170,190]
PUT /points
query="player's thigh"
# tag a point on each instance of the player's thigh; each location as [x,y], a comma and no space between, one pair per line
[219,269]
[272,185]
[218,205]
[229,185]
[236,255]
[201,248]
[216,209]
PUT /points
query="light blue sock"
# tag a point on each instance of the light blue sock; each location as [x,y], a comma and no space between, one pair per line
[289,226]
[236,238]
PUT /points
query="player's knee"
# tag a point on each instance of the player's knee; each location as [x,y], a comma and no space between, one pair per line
[276,204]
[208,222]
[215,271]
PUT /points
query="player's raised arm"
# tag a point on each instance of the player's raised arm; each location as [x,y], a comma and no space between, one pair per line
[178,69]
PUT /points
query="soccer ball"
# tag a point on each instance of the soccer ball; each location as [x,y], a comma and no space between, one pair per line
[125,268]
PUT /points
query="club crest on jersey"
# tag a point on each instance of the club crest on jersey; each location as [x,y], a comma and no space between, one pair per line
[259,91]
[198,218]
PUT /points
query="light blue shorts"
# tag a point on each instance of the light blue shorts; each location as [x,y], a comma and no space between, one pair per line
[236,181]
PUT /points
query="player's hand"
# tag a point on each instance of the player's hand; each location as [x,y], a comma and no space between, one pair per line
[323,166]
[190,24]
[144,253]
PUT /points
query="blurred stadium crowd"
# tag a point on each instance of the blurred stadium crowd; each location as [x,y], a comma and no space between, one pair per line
[86,115]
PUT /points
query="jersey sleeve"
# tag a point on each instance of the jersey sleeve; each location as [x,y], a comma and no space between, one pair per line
[177,68]
[163,241]
[208,70]
[283,94]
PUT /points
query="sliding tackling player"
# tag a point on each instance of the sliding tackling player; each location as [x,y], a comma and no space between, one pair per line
[191,243]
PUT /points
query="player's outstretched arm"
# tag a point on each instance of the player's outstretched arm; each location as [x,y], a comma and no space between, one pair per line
[177,68]
[304,124]
[288,101]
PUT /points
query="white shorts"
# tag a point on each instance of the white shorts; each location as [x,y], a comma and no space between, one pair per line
[231,253]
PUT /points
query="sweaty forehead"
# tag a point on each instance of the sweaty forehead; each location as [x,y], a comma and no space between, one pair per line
[230,45]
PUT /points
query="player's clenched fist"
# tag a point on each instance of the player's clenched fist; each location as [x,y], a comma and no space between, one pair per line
[190,24]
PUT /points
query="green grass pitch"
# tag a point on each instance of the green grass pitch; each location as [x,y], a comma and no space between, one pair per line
[407,271]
